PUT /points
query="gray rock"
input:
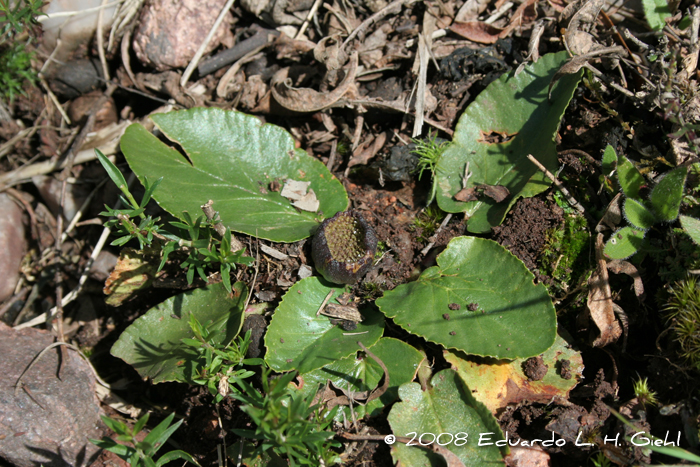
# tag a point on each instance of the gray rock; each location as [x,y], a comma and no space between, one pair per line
[56,432]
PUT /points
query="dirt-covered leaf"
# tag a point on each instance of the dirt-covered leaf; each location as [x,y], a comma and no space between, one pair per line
[624,243]
[691,226]
[510,119]
[479,299]
[152,344]
[638,215]
[449,411]
[667,194]
[232,159]
[298,339]
[499,383]
[360,374]
[629,177]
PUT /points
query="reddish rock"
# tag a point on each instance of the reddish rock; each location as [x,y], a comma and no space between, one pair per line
[171,31]
[56,432]
[13,245]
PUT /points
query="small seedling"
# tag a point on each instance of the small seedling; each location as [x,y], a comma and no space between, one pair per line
[600,460]
[663,205]
[287,423]
[142,452]
[644,395]
[221,365]
[196,237]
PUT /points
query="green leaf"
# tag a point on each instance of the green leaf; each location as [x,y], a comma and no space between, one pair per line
[624,243]
[116,426]
[667,194]
[364,374]
[174,455]
[160,434]
[609,161]
[479,299]
[152,344]
[448,410]
[232,159]
[517,107]
[656,12]
[112,170]
[638,215]
[629,177]
[691,226]
[297,339]
[138,426]
[108,444]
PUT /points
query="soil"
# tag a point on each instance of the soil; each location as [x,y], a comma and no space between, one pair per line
[382,184]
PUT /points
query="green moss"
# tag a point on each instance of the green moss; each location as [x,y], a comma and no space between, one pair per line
[683,315]
[427,222]
[565,255]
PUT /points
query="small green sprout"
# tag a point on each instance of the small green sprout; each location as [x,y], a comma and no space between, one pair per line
[197,237]
[219,365]
[601,461]
[644,395]
[287,422]
[429,152]
[142,452]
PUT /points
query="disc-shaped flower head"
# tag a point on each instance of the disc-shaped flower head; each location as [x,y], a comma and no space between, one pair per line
[344,247]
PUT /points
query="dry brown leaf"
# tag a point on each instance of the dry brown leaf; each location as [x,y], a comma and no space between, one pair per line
[365,152]
[466,194]
[600,304]
[477,31]
[310,100]
[578,39]
[496,192]
[308,202]
[623,267]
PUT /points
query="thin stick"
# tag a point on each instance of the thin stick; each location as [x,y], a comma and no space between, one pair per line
[420,90]
[444,222]
[73,294]
[325,300]
[311,14]
[101,41]
[54,99]
[197,56]
[559,186]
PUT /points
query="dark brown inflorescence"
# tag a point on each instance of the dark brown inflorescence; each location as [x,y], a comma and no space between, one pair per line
[343,247]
